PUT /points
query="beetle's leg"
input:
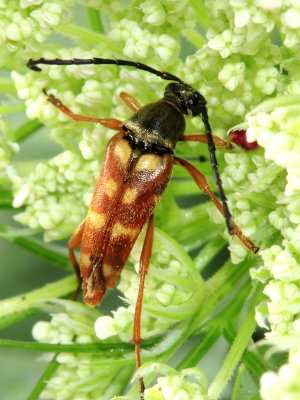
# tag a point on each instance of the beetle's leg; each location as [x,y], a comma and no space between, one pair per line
[110,123]
[144,266]
[74,243]
[201,181]
[130,101]
[203,139]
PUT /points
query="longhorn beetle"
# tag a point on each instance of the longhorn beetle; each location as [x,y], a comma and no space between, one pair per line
[135,172]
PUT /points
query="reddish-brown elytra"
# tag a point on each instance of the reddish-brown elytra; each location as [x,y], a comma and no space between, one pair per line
[135,172]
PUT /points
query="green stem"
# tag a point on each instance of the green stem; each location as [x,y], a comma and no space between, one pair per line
[251,361]
[238,347]
[48,373]
[118,348]
[34,298]
[90,37]
[12,319]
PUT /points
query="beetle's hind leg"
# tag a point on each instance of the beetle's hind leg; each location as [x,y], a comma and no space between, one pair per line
[130,101]
[110,123]
[74,243]
[144,266]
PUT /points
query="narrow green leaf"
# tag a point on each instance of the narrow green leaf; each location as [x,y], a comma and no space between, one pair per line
[6,198]
[94,19]
[51,253]
[48,373]
[252,361]
[194,37]
[209,251]
[202,347]
[7,86]
[201,12]
[90,37]
[27,129]
[238,347]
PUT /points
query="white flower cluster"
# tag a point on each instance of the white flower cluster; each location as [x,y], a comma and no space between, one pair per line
[189,384]
[52,190]
[269,194]
[28,22]
[141,43]
[176,13]
[79,376]
[250,24]
[286,383]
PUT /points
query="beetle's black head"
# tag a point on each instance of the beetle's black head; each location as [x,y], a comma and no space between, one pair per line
[187,99]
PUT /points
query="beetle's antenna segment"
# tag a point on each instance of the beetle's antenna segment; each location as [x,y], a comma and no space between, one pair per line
[32,64]
[214,165]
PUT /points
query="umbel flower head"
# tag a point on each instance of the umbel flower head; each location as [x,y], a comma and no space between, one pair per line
[245,60]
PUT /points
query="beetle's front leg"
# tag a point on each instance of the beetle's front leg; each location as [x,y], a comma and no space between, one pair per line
[74,243]
[218,141]
[144,266]
[130,101]
[110,123]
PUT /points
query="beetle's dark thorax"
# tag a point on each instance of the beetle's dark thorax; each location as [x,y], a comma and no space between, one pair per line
[157,126]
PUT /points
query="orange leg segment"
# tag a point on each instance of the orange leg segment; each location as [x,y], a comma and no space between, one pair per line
[110,123]
[201,181]
[130,101]
[203,139]
[74,243]
[144,266]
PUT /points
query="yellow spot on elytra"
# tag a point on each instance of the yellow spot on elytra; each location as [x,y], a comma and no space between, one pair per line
[129,195]
[148,162]
[111,187]
[97,220]
[120,229]
[85,258]
[123,151]
[107,270]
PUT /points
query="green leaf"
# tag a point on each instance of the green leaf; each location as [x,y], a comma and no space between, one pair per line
[42,383]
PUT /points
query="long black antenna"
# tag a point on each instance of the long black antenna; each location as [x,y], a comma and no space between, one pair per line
[215,169]
[32,64]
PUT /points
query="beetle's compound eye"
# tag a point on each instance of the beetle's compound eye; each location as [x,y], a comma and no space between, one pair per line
[189,100]
[194,102]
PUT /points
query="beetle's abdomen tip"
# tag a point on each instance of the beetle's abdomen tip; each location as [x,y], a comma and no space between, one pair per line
[93,299]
